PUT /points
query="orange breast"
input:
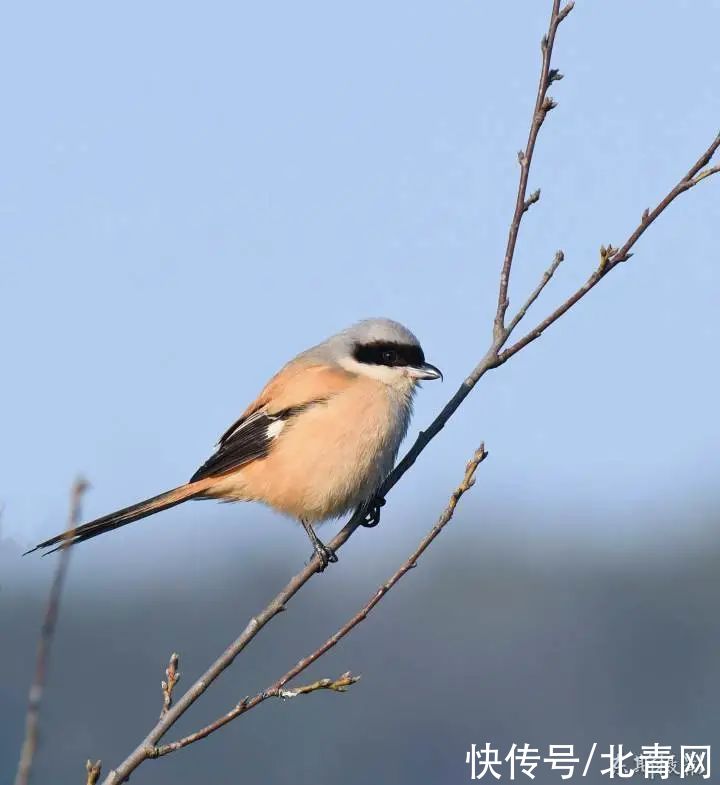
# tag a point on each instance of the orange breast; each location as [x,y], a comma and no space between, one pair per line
[330,458]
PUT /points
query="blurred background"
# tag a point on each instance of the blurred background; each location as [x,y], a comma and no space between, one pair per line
[189,197]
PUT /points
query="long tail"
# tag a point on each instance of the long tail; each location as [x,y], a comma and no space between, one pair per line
[122,517]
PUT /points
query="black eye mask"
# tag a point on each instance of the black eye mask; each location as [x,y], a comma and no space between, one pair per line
[390,354]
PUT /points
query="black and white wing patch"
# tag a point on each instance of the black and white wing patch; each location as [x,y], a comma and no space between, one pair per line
[248,440]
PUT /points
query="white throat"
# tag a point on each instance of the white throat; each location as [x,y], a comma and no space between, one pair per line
[396,378]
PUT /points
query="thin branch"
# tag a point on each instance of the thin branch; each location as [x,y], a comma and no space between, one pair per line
[691,179]
[93,771]
[501,333]
[493,358]
[277,689]
[146,748]
[543,105]
[47,633]
[445,517]
[547,275]
[335,685]
[710,171]
[531,200]
[611,257]
[172,674]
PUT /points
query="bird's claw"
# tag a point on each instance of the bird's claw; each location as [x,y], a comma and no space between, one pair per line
[326,555]
[372,512]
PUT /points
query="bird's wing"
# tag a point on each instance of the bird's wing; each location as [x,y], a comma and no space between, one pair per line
[250,440]
[291,391]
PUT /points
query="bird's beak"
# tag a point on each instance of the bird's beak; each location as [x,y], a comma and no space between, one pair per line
[425,371]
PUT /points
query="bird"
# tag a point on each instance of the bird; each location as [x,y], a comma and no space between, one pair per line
[316,443]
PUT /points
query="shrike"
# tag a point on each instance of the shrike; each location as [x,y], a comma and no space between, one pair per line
[316,443]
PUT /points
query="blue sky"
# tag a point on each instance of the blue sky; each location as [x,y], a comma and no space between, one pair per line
[191,196]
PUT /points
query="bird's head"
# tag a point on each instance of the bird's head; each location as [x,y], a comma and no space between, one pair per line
[384,350]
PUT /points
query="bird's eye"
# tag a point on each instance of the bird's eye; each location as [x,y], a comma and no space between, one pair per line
[389,357]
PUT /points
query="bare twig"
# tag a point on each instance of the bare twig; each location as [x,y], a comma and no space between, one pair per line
[494,357]
[531,200]
[547,275]
[146,748]
[445,517]
[149,748]
[278,687]
[543,105]
[47,633]
[93,771]
[501,333]
[611,257]
[335,685]
[172,674]
[709,171]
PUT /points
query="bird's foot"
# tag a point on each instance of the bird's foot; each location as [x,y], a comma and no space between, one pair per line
[326,554]
[372,512]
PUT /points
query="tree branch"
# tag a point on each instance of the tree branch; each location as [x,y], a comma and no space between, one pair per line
[172,674]
[47,633]
[336,685]
[93,771]
[494,357]
[277,689]
[277,605]
[543,105]
[547,275]
[611,257]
